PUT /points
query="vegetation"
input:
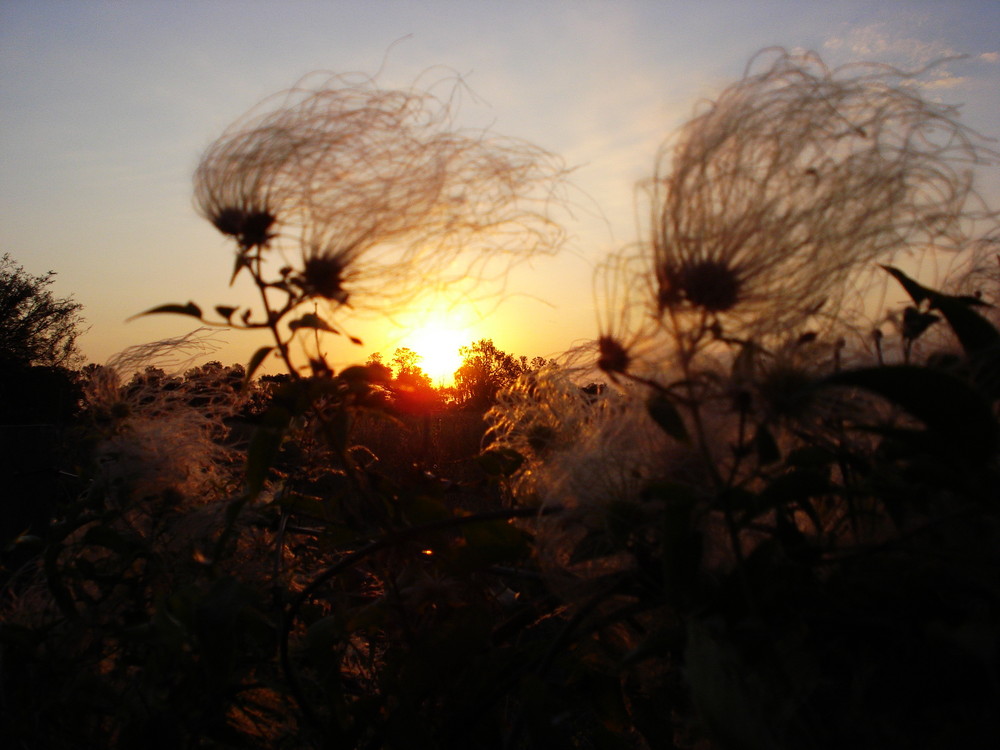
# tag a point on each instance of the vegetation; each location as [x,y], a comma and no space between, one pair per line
[38,350]
[774,527]
[36,328]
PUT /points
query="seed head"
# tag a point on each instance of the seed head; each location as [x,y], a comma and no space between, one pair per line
[794,182]
[613,357]
[708,284]
[323,276]
[250,229]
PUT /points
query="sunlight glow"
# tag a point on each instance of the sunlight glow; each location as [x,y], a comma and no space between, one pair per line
[438,346]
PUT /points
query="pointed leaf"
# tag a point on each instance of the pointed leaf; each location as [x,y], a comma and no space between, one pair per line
[766,446]
[241,262]
[665,414]
[225,311]
[917,292]
[500,462]
[975,332]
[954,412]
[256,360]
[264,447]
[311,320]
[189,309]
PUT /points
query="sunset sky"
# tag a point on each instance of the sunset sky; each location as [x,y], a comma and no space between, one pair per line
[106,107]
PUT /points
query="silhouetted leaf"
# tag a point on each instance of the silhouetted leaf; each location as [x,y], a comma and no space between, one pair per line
[810,457]
[500,462]
[766,446]
[105,536]
[665,414]
[189,309]
[975,332]
[596,544]
[225,311]
[490,543]
[241,262]
[264,447]
[918,293]
[256,360]
[795,487]
[956,413]
[311,320]
[916,322]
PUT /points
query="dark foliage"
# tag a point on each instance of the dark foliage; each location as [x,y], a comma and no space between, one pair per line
[36,328]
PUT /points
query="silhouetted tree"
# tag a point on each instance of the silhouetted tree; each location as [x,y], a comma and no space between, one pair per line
[412,388]
[38,333]
[380,371]
[408,370]
[484,371]
[36,327]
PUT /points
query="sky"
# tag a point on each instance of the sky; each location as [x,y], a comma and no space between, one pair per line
[105,108]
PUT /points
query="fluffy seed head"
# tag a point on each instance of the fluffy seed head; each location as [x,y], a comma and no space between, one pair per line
[376,192]
[613,357]
[708,284]
[796,179]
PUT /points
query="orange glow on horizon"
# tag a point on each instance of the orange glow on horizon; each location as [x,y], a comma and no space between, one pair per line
[438,345]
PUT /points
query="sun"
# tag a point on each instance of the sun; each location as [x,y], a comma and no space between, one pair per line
[438,346]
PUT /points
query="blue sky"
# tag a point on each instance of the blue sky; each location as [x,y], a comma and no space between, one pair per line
[106,107]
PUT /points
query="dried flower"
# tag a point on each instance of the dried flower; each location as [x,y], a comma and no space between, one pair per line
[246,181]
[626,331]
[375,191]
[791,181]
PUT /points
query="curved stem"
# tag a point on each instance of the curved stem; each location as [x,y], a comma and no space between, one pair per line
[273,318]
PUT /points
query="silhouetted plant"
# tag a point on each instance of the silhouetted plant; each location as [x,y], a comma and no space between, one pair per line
[764,533]
[762,519]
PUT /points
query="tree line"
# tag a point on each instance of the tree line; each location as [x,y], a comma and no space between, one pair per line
[41,366]
[484,372]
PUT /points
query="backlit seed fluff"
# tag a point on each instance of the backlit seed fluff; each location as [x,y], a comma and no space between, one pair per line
[376,191]
[793,180]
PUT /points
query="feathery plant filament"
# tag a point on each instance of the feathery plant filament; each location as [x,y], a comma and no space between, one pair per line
[370,197]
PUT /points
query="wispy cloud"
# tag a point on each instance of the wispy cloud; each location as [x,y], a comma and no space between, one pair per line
[878,42]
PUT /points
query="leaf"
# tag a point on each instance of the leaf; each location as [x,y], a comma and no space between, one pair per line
[500,462]
[241,262]
[491,543]
[311,320]
[257,360]
[665,414]
[596,544]
[955,413]
[104,536]
[795,487]
[766,446]
[189,309]
[975,333]
[810,457]
[225,311]
[917,292]
[916,322]
[264,446]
